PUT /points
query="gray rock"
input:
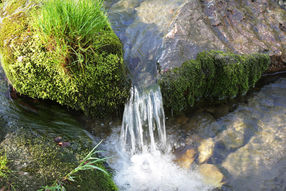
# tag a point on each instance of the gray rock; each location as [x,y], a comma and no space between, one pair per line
[237,26]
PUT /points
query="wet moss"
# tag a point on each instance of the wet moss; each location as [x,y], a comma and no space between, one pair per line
[214,76]
[4,170]
[47,69]
[36,161]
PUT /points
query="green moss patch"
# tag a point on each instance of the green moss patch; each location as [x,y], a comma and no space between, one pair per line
[212,77]
[76,66]
[35,161]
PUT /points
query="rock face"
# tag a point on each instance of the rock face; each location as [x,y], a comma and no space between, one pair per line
[238,26]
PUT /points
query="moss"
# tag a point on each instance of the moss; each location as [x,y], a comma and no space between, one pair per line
[93,79]
[212,77]
[4,170]
[36,161]
[99,180]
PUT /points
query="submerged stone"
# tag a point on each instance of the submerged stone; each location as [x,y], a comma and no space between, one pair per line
[206,150]
[187,159]
[211,174]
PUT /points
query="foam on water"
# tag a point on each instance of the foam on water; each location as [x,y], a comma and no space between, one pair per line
[143,161]
[150,170]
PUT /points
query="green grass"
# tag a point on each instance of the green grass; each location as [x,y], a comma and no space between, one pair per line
[4,170]
[78,28]
[65,50]
[88,163]
[73,21]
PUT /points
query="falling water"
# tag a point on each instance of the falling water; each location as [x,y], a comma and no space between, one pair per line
[143,126]
[144,161]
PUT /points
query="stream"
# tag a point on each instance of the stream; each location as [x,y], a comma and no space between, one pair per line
[232,146]
[235,146]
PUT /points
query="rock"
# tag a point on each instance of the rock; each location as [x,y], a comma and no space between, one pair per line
[84,72]
[205,150]
[187,159]
[233,136]
[64,144]
[278,63]
[211,175]
[212,77]
[182,119]
[240,27]
[220,110]
[58,139]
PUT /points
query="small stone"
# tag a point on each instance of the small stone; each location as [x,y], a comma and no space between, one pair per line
[187,159]
[58,139]
[206,150]
[211,175]
[64,144]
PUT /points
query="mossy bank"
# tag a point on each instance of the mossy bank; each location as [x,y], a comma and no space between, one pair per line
[30,161]
[212,77]
[80,66]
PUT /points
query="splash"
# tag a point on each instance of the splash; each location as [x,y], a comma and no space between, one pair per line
[144,161]
[143,126]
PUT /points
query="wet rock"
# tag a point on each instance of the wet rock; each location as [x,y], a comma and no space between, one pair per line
[205,150]
[211,174]
[233,136]
[220,110]
[188,35]
[182,119]
[58,139]
[240,27]
[278,63]
[186,160]
[265,146]
[64,144]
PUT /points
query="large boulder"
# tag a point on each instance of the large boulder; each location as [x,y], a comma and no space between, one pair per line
[238,26]
[82,72]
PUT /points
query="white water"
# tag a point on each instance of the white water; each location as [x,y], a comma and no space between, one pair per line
[143,161]
[143,125]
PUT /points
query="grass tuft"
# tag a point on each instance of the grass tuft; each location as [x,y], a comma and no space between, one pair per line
[4,170]
[88,163]
[72,20]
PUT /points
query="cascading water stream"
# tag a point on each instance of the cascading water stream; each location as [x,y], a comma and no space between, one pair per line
[143,125]
[143,161]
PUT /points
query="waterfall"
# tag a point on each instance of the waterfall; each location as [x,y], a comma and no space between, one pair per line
[143,125]
[144,161]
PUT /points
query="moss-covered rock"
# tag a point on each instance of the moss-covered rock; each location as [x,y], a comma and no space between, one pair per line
[35,161]
[213,76]
[90,78]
